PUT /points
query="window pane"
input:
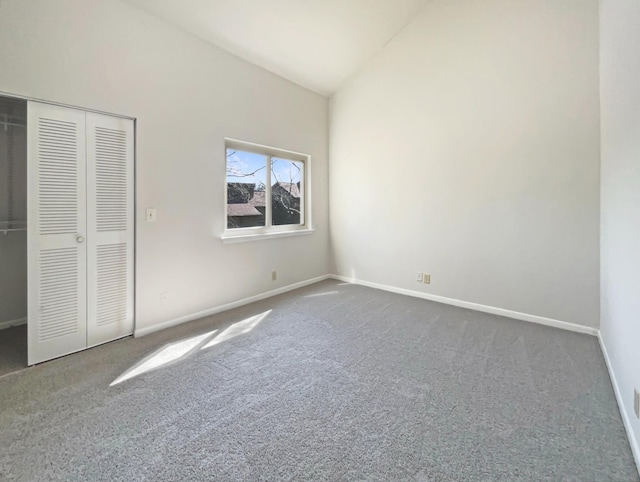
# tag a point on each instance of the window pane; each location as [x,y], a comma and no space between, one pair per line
[286,191]
[246,189]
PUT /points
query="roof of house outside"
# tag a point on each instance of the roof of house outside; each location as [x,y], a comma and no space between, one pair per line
[237,192]
[244,209]
[292,188]
[258,199]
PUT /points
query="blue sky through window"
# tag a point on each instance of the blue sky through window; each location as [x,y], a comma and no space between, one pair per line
[284,170]
[246,167]
[250,168]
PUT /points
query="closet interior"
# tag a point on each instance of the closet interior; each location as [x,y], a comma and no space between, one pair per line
[13,234]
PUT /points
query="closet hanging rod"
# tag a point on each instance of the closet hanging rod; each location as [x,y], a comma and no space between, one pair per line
[12,124]
[12,226]
[12,230]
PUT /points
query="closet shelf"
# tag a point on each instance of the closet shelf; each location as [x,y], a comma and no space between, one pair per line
[11,226]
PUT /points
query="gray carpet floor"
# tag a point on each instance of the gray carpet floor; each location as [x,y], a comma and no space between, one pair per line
[329,382]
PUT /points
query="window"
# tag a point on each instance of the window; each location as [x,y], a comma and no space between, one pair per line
[266,191]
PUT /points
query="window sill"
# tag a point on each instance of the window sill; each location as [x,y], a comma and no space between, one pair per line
[243,238]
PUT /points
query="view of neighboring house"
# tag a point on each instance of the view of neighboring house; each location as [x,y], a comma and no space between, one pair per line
[246,205]
[285,206]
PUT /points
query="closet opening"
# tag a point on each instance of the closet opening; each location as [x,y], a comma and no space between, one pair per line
[13,234]
[66,230]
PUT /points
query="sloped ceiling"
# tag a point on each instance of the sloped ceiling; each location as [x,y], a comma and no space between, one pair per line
[314,43]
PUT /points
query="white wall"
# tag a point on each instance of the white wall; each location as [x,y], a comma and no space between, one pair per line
[469,149]
[620,200]
[186,96]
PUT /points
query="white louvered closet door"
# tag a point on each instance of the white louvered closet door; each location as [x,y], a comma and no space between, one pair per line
[57,251]
[110,228]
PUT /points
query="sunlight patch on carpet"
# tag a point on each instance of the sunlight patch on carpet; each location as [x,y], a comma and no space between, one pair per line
[239,328]
[165,355]
[323,294]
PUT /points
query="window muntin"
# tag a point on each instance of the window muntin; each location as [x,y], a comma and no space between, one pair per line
[255,206]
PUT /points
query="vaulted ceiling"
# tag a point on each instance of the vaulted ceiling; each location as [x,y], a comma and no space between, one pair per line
[314,43]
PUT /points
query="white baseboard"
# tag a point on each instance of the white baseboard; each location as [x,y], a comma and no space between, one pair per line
[564,325]
[635,448]
[218,309]
[10,323]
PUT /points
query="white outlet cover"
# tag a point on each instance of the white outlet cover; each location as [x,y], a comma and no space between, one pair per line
[418,276]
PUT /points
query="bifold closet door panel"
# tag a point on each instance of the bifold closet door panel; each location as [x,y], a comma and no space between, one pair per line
[110,237]
[57,251]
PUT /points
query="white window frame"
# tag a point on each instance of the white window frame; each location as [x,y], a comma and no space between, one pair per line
[268,231]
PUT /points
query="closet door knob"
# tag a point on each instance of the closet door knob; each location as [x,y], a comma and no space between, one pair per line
[79,239]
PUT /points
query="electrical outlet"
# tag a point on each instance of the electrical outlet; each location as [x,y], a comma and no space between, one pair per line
[426,279]
[164,296]
[274,275]
[636,402]
[419,277]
